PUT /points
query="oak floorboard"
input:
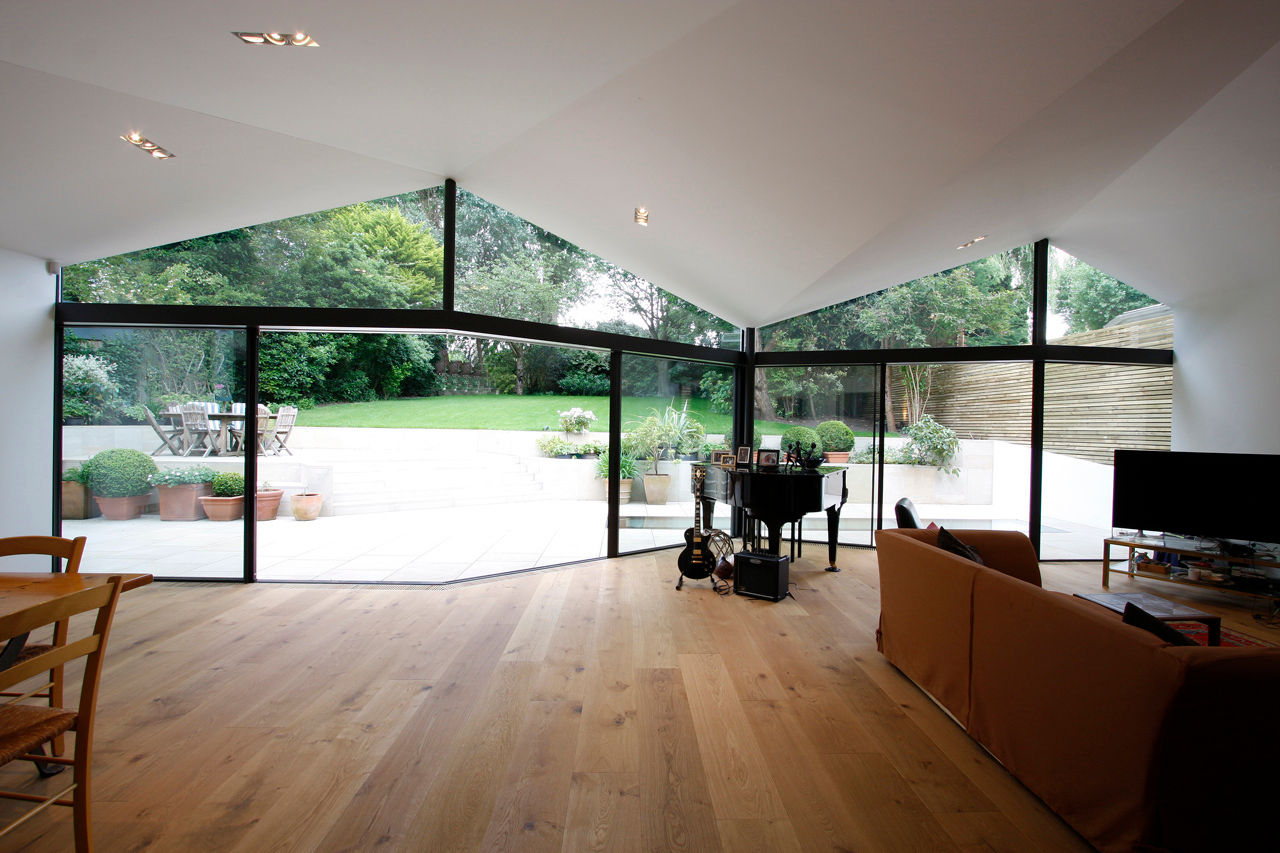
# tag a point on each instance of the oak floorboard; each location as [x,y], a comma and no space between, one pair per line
[604,814]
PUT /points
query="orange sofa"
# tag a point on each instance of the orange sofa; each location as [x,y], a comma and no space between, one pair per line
[1139,745]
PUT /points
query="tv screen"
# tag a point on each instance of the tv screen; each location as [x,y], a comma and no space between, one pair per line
[1213,495]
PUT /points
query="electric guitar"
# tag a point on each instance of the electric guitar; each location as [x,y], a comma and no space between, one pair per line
[694,561]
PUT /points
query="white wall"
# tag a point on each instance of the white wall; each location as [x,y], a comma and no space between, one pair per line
[1226,394]
[26,377]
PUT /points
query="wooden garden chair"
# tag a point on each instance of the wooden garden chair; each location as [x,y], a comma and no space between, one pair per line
[25,729]
[69,551]
[278,441]
[170,434]
[197,431]
[263,419]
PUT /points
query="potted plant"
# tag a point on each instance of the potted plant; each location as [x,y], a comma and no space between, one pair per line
[576,420]
[180,489]
[227,501]
[837,440]
[268,502]
[626,472]
[651,441]
[306,505]
[802,436]
[75,492]
[120,481]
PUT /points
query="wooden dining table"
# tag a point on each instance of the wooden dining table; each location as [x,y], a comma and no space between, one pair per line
[20,591]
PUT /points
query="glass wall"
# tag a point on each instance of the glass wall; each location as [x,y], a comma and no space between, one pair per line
[834,407]
[153,432]
[436,457]
[509,267]
[1092,410]
[674,413]
[1089,308]
[959,443]
[983,303]
[379,254]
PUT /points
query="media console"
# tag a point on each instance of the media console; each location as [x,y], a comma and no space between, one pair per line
[1239,580]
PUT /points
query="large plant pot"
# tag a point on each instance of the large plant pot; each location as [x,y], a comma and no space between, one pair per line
[269,504]
[223,509]
[75,500]
[182,502]
[121,509]
[306,506]
[624,491]
[838,457]
[656,487]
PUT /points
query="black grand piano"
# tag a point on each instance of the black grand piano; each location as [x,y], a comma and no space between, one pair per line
[779,497]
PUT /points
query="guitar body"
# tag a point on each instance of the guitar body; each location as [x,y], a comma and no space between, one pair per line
[694,561]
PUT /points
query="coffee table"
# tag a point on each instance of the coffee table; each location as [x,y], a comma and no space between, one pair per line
[1162,609]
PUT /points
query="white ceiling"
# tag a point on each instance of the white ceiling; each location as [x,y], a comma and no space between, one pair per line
[792,154]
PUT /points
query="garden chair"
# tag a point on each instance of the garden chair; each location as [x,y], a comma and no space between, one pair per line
[69,551]
[235,429]
[285,418]
[25,729]
[170,434]
[263,418]
[197,431]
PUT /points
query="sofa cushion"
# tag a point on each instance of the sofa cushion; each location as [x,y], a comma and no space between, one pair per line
[1139,618]
[948,542]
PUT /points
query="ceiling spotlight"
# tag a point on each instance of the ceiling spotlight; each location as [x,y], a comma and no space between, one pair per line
[642,216]
[278,39]
[139,141]
[971,242]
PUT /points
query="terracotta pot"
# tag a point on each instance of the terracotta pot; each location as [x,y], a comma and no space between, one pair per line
[223,509]
[181,502]
[75,500]
[121,509]
[838,457]
[306,505]
[269,504]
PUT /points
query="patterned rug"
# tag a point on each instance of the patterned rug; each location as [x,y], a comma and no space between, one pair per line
[1200,633]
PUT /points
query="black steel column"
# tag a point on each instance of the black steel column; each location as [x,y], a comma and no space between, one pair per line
[615,449]
[1039,319]
[58,333]
[877,487]
[251,453]
[744,403]
[450,240]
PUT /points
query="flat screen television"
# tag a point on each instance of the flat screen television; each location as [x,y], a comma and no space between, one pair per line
[1210,495]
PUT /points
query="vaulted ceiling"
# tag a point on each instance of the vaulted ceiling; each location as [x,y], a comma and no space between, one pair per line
[792,155]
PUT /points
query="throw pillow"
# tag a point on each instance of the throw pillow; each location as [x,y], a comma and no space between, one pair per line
[948,542]
[1139,618]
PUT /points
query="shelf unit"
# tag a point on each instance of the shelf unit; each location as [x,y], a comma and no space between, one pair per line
[1133,544]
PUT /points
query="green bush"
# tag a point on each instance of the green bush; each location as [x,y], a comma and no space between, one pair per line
[121,473]
[554,445]
[581,384]
[185,475]
[835,436]
[626,466]
[228,485]
[88,387]
[931,443]
[804,435]
[76,474]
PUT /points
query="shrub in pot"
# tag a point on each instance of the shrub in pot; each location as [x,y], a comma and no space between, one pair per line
[804,436]
[75,493]
[180,490]
[837,440]
[626,472]
[120,481]
[227,501]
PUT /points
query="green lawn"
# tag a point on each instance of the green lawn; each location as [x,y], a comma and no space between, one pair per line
[505,411]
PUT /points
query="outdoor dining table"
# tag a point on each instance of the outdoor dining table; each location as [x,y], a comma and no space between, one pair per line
[224,420]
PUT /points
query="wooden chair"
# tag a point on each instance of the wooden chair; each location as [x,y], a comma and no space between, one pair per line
[264,417]
[24,729]
[197,431]
[285,418]
[170,435]
[70,551]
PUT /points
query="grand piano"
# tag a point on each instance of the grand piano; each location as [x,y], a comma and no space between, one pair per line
[779,497]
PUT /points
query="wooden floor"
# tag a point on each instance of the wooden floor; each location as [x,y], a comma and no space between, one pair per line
[582,709]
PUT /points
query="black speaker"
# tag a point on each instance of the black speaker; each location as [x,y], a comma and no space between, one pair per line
[761,575]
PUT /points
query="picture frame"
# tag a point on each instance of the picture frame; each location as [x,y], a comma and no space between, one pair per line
[723,458]
[744,456]
[767,459]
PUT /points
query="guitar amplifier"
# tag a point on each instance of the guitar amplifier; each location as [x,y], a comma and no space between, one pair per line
[761,575]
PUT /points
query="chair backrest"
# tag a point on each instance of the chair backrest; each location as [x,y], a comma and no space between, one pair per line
[103,598]
[905,512]
[285,418]
[70,550]
[195,417]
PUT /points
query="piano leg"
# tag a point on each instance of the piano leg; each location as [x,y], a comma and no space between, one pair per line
[833,535]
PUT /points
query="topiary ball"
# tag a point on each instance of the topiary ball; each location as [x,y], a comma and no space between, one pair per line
[121,473]
[228,485]
[804,435]
[835,436]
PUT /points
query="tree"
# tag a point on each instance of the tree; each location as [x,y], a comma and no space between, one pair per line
[411,255]
[1088,298]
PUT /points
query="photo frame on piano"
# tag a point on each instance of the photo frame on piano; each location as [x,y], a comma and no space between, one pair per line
[744,456]
[767,459]
[723,458]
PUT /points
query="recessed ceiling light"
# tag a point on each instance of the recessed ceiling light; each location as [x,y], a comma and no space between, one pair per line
[642,216]
[139,141]
[971,242]
[279,39]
